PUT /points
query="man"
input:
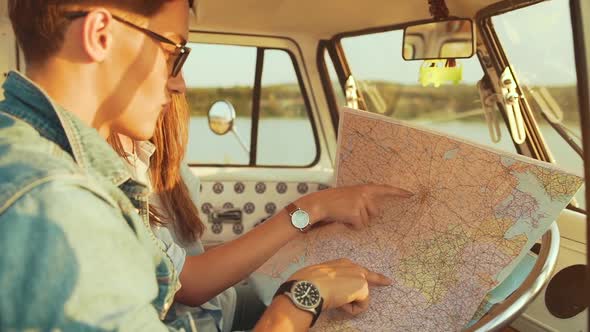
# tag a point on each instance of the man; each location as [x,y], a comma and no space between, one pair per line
[74,252]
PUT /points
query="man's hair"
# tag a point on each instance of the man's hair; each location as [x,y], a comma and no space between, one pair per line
[40,25]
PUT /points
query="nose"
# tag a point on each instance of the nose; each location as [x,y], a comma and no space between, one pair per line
[177,84]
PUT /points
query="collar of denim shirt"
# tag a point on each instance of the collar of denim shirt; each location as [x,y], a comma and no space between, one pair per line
[27,101]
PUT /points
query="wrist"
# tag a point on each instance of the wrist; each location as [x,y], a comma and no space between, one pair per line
[285,305]
[304,295]
[282,315]
[309,205]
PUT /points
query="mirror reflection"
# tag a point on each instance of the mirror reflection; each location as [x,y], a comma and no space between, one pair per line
[221,117]
[449,39]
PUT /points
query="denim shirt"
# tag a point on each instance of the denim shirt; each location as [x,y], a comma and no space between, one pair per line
[75,254]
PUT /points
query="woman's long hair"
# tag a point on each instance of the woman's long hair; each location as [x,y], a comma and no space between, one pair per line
[171,139]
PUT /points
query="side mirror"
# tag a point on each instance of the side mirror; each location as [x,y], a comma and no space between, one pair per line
[447,39]
[221,117]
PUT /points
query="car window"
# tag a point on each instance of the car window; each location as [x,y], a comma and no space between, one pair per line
[285,134]
[390,86]
[530,37]
[283,128]
[212,73]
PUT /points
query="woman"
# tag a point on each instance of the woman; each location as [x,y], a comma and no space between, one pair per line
[207,277]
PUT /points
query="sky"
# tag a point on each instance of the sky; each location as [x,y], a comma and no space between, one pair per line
[537,40]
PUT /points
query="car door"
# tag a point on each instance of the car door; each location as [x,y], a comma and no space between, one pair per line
[277,148]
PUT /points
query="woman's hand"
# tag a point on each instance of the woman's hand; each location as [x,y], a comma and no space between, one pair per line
[352,205]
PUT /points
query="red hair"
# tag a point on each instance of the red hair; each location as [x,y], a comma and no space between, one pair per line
[170,139]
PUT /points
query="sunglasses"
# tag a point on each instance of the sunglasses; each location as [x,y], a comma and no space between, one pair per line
[178,57]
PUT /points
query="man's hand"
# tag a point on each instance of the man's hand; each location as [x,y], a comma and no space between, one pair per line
[342,284]
[352,205]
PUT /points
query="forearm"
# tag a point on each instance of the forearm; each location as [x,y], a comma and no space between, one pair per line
[283,316]
[210,273]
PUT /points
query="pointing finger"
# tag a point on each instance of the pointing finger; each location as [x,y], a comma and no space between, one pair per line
[386,190]
[377,279]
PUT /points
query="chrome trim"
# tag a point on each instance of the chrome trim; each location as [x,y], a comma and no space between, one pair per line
[226,216]
[504,313]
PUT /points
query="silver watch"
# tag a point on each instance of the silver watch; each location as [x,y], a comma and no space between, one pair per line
[299,218]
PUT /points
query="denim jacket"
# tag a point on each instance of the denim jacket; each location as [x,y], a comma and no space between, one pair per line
[76,252]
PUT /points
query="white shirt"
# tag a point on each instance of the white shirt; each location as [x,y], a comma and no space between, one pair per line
[216,314]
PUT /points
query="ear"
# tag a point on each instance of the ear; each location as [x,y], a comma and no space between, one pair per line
[97,36]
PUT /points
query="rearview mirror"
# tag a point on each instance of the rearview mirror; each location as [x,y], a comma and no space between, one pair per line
[448,39]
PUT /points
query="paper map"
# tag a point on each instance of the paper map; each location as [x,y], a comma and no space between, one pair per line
[475,214]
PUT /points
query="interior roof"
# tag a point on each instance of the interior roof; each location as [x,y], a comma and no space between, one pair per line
[322,19]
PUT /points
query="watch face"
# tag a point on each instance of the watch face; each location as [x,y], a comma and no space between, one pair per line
[300,219]
[306,294]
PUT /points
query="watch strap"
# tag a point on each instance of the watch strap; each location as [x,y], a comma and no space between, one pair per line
[291,208]
[286,288]
[318,311]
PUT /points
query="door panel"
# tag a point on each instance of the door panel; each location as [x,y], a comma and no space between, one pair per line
[255,200]
[572,252]
[286,139]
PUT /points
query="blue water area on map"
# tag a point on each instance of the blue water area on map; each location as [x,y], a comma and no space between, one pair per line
[451,154]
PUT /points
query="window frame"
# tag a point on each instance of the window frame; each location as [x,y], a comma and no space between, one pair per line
[536,145]
[336,51]
[256,95]
[340,59]
[326,47]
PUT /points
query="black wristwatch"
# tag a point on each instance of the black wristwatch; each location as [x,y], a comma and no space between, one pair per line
[305,295]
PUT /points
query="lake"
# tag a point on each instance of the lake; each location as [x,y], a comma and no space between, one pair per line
[290,142]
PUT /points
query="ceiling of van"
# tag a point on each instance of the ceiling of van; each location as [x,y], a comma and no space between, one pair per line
[317,18]
[321,18]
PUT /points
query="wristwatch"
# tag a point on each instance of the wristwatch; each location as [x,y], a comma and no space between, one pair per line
[305,295]
[299,218]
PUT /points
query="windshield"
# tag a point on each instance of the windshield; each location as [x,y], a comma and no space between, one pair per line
[390,86]
[538,43]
